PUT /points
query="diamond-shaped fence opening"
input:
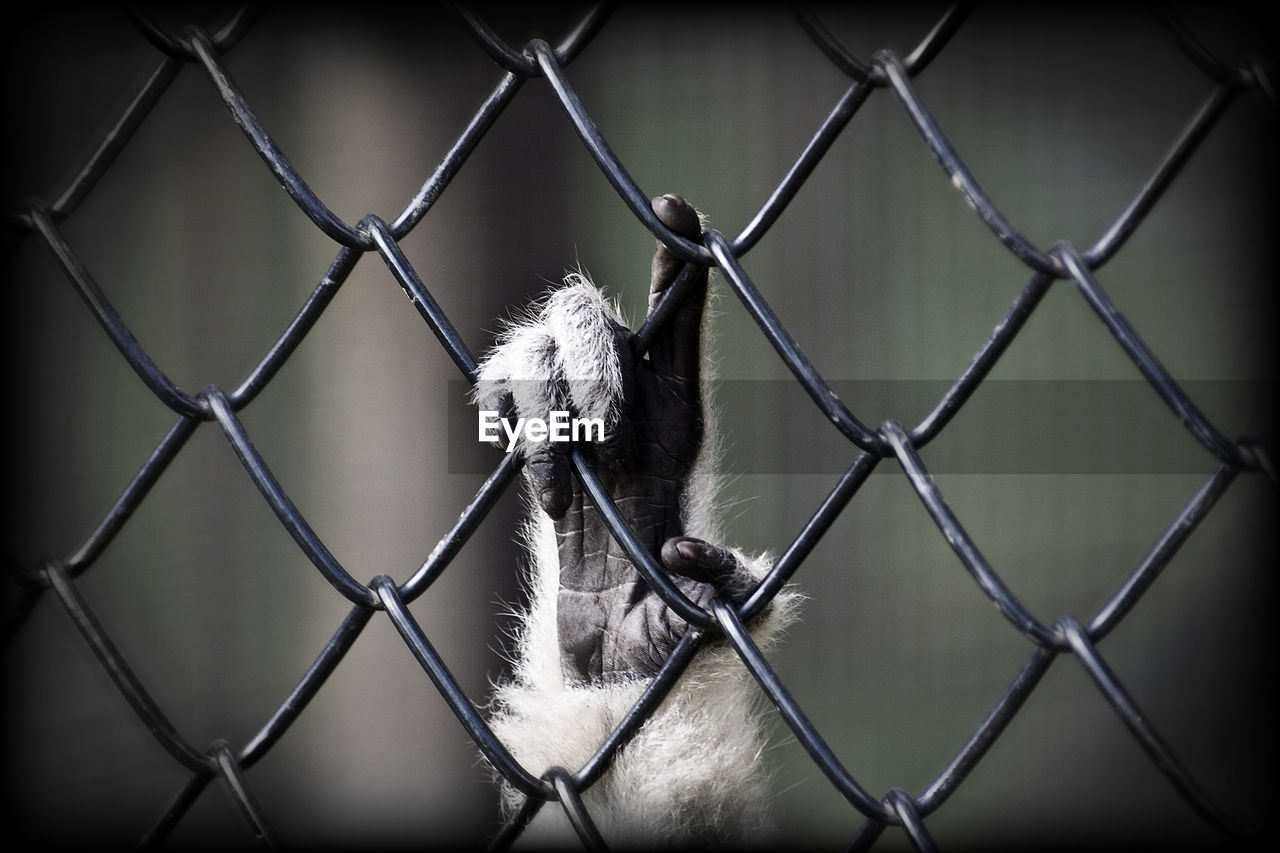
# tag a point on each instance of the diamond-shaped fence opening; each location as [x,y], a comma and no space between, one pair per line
[994,361]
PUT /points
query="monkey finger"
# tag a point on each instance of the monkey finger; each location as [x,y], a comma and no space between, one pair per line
[587,334]
[677,214]
[677,351]
[706,563]
[548,469]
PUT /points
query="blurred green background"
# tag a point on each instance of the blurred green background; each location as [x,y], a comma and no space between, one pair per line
[879,270]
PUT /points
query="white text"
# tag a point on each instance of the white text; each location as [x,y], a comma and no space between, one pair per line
[559,426]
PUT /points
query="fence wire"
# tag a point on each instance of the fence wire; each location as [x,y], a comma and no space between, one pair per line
[539,62]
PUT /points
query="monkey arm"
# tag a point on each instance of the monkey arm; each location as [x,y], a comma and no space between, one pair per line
[594,632]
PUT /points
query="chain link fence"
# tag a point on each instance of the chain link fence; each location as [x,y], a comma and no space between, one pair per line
[252,624]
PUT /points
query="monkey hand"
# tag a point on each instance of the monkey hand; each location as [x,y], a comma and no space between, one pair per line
[577,359]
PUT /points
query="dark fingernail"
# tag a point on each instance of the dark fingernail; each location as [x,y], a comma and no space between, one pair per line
[677,214]
[690,550]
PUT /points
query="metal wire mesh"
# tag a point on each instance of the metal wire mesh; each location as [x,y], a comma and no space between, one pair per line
[886,74]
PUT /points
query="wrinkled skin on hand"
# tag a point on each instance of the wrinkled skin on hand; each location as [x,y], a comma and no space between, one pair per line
[611,624]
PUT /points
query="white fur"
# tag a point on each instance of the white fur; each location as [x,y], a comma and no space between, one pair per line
[693,772]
